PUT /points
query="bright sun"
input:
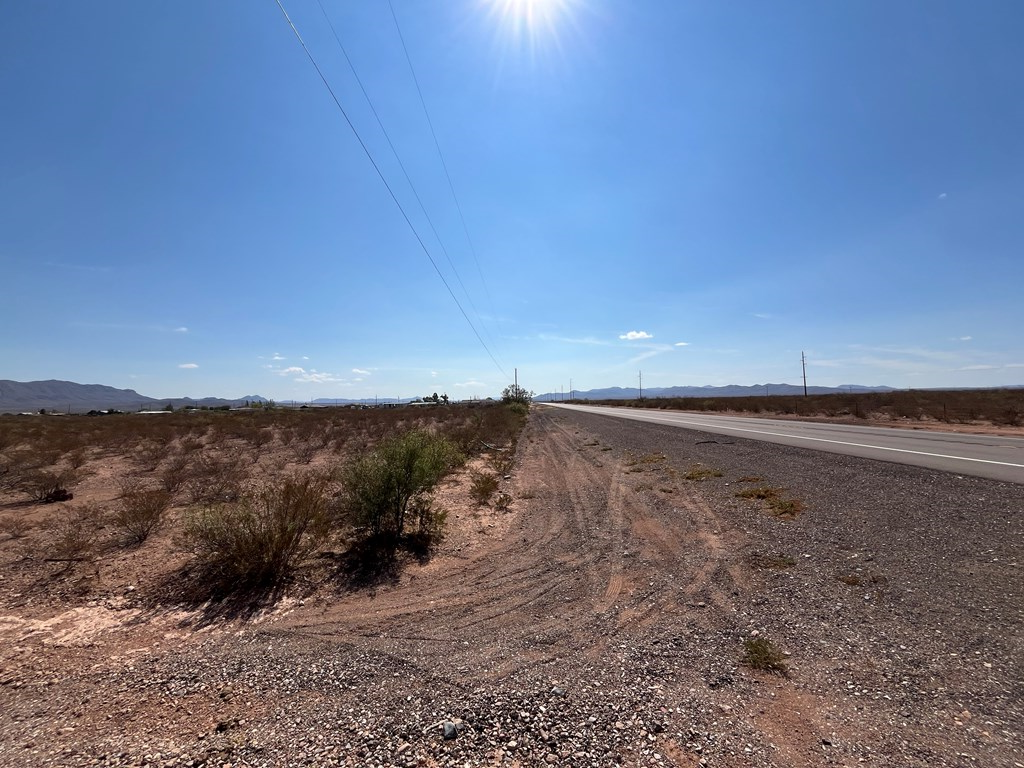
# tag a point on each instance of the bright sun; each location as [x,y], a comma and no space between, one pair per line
[531,18]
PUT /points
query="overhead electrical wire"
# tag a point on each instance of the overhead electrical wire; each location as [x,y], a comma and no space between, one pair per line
[391,192]
[440,154]
[401,165]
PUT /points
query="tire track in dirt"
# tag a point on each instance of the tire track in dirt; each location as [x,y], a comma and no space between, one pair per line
[587,558]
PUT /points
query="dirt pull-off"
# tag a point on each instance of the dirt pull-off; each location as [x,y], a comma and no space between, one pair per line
[600,622]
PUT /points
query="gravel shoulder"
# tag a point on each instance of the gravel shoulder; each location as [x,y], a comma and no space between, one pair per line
[600,622]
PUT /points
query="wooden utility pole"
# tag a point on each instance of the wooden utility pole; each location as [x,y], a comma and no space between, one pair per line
[641,384]
[803,364]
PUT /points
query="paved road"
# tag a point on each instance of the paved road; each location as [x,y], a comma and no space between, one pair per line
[999,458]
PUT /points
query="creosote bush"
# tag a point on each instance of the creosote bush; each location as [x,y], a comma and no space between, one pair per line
[141,513]
[75,532]
[47,487]
[381,486]
[257,540]
[482,486]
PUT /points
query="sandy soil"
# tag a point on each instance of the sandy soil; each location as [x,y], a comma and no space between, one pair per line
[600,621]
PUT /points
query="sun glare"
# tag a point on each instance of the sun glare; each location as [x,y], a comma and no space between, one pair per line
[531,20]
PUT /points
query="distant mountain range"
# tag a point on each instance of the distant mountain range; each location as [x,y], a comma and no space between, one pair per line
[731,390]
[64,396]
[67,396]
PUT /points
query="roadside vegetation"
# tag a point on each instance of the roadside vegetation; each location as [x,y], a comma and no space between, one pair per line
[247,498]
[999,407]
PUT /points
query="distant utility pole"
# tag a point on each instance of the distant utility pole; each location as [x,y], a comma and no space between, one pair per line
[803,364]
[516,372]
[641,384]
[570,390]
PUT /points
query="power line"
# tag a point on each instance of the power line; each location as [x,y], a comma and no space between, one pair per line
[394,151]
[391,192]
[437,144]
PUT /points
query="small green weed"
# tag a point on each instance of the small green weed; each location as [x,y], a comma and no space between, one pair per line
[761,653]
[483,485]
[698,473]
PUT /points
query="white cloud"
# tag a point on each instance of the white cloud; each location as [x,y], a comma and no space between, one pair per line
[682,344]
[433,374]
[181,329]
[188,365]
[470,383]
[277,356]
[978,368]
[361,371]
[291,369]
[763,315]
[962,338]
[943,196]
[314,377]
[636,335]
[304,357]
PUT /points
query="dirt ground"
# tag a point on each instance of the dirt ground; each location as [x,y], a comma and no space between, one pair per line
[600,621]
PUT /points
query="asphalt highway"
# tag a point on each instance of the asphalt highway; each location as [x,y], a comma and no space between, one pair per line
[998,458]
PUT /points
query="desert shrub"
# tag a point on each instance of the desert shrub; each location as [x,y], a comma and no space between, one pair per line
[48,486]
[74,534]
[141,513]
[380,485]
[501,462]
[762,653]
[213,480]
[482,486]
[15,527]
[175,473]
[151,453]
[257,540]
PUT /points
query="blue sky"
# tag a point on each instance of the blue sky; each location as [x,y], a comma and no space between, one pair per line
[697,190]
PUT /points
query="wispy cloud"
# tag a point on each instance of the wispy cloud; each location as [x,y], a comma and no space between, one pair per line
[645,355]
[470,383]
[361,371]
[433,374]
[188,365]
[762,315]
[943,196]
[962,338]
[316,377]
[636,335]
[291,370]
[277,356]
[181,329]
[681,344]
[978,368]
[568,340]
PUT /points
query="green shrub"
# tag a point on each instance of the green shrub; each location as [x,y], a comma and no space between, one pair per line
[380,485]
[257,540]
[762,653]
[482,486]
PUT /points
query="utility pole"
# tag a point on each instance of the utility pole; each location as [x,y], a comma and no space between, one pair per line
[570,390]
[641,384]
[803,364]
[516,371]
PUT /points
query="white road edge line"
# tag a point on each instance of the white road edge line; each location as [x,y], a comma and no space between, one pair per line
[645,417]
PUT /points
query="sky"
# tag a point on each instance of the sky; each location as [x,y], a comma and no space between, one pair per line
[694,190]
